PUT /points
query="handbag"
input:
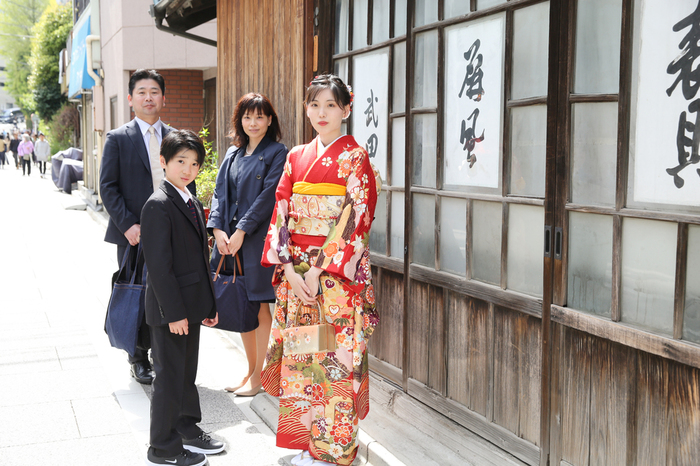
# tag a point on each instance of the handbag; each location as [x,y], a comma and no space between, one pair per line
[236,312]
[319,338]
[126,306]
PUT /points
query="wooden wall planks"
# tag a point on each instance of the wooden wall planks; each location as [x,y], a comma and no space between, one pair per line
[619,405]
[386,342]
[262,48]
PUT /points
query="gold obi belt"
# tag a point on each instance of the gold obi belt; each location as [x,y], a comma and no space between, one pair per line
[315,207]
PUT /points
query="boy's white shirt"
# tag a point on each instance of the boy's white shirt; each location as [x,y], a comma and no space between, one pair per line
[186,195]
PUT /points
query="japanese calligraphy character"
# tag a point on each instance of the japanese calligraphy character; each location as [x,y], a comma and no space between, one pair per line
[474,74]
[683,141]
[688,74]
[468,138]
[372,144]
[371,117]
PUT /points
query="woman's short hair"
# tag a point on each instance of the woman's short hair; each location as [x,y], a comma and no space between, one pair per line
[253,103]
[25,136]
[340,91]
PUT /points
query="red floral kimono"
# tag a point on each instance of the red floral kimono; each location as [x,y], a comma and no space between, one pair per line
[323,213]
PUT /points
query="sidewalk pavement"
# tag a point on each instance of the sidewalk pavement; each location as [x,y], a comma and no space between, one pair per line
[66,396]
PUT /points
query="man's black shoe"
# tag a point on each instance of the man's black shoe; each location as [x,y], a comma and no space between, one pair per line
[186,458]
[142,372]
[204,444]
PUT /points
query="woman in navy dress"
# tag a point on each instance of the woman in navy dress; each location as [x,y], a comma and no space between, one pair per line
[241,208]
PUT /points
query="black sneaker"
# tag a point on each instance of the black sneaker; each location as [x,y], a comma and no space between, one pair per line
[186,458]
[204,444]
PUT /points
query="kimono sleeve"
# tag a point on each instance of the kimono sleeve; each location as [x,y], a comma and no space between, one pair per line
[277,248]
[348,240]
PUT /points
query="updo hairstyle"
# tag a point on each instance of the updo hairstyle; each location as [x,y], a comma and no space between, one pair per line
[341,92]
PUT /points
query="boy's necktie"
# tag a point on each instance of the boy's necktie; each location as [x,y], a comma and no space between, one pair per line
[193,211]
[154,156]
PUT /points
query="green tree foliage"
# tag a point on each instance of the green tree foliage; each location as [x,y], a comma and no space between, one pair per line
[206,180]
[63,130]
[49,37]
[17,18]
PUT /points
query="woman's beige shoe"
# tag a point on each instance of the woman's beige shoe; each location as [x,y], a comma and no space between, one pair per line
[236,387]
[252,392]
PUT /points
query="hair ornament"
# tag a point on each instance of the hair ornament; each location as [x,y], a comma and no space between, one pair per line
[352,94]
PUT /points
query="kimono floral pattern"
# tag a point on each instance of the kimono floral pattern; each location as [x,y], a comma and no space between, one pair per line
[323,395]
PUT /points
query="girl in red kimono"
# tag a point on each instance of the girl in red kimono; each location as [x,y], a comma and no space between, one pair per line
[319,241]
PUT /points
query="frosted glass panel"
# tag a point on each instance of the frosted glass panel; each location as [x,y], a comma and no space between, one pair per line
[530,51]
[359,25]
[423,234]
[483,4]
[397,205]
[399,92]
[380,21]
[400,18]
[398,151]
[425,89]
[598,24]
[590,263]
[594,153]
[528,150]
[426,12]
[525,248]
[424,149]
[453,235]
[342,8]
[487,219]
[340,68]
[691,316]
[648,273]
[456,7]
[377,235]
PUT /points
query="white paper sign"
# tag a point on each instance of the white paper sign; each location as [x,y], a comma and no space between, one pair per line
[474,55]
[661,175]
[370,112]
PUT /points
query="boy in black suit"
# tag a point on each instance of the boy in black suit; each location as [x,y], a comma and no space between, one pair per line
[179,296]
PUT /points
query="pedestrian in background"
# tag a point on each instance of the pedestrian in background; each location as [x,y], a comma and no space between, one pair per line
[25,150]
[42,150]
[319,242]
[14,144]
[4,144]
[240,214]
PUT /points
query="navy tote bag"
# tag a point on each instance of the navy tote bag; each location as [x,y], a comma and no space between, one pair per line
[236,313]
[126,306]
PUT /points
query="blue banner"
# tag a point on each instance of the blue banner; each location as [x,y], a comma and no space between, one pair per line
[79,78]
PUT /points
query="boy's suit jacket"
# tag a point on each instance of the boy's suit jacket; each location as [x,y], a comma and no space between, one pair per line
[125,179]
[177,256]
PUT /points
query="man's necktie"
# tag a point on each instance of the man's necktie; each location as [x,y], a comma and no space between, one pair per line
[193,211]
[154,155]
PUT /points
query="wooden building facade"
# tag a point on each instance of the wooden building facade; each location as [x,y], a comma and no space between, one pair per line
[536,245]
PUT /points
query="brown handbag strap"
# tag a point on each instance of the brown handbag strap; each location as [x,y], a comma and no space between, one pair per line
[222,262]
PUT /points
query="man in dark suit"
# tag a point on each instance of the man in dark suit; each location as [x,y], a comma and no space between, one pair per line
[129,174]
[179,297]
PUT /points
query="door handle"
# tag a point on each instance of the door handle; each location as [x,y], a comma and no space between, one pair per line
[558,234]
[547,241]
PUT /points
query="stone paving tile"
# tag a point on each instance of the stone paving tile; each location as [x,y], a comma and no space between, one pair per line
[36,423]
[19,361]
[27,389]
[112,450]
[78,356]
[91,414]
